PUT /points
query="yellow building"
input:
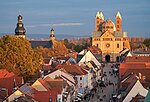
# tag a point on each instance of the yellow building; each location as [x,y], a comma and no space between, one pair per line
[109,37]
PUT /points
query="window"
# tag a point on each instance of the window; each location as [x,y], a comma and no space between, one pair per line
[80,78]
[80,84]
[117,26]
[97,45]
[117,45]
[123,44]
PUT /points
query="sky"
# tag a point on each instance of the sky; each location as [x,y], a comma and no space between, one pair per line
[73,17]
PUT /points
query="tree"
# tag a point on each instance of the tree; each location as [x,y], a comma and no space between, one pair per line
[16,55]
[57,49]
[147,42]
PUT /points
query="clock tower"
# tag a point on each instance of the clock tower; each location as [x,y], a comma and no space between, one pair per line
[20,30]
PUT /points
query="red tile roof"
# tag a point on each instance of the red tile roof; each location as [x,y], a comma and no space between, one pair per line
[44,83]
[73,55]
[137,59]
[73,69]
[134,65]
[47,67]
[95,50]
[145,77]
[7,80]
[62,58]
[46,60]
[40,96]
[45,96]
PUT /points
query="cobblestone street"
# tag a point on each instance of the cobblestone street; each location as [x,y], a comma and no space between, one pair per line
[104,94]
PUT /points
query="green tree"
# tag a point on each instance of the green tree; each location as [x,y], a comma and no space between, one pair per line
[147,42]
[16,55]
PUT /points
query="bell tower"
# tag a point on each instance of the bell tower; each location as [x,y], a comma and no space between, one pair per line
[118,22]
[52,36]
[20,30]
[99,20]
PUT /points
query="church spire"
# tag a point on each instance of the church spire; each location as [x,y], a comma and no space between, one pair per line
[100,15]
[118,22]
[118,15]
[20,30]
[99,20]
[52,36]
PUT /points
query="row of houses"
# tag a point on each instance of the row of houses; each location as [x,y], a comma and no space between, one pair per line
[63,79]
[134,79]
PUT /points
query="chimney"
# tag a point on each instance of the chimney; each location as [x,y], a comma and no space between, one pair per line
[140,76]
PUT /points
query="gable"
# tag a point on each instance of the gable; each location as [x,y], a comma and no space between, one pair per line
[107,34]
[89,57]
[135,90]
[38,86]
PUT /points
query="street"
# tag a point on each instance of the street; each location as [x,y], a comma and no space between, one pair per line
[104,94]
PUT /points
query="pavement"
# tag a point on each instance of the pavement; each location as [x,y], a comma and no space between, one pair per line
[104,94]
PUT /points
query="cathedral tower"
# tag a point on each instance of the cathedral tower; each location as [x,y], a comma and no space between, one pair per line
[118,22]
[20,30]
[99,20]
[52,36]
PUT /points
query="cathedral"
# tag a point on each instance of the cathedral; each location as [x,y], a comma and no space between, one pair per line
[109,37]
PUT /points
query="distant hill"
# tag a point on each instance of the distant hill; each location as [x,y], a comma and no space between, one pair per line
[46,36]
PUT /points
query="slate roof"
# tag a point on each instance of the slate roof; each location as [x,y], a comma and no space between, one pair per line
[44,44]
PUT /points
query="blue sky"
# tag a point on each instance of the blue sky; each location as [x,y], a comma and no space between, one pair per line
[73,17]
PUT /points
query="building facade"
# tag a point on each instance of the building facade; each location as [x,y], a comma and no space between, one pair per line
[109,37]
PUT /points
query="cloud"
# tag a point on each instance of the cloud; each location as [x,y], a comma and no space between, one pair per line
[54,25]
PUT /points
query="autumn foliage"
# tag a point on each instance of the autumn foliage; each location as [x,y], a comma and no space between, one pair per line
[16,55]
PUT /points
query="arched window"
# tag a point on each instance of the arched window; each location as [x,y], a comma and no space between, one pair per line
[97,45]
[117,45]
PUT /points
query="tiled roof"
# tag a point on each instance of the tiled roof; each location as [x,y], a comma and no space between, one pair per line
[46,60]
[62,58]
[133,65]
[95,50]
[40,96]
[44,83]
[137,59]
[73,55]
[45,96]
[7,80]
[47,67]
[133,89]
[144,72]
[56,83]
[72,69]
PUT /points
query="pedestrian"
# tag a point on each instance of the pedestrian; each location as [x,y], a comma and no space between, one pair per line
[92,96]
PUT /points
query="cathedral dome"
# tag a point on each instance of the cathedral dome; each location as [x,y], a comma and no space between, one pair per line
[108,25]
